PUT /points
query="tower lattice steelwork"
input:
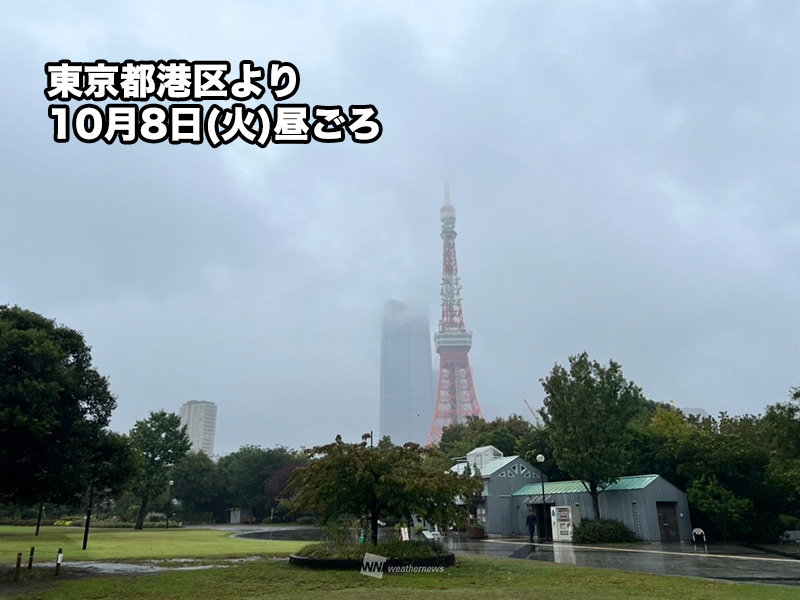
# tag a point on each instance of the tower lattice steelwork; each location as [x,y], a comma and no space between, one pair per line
[456,399]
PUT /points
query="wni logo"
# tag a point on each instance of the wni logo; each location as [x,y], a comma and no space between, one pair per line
[373,565]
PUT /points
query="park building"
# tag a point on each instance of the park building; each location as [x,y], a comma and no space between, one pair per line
[502,476]
[200,419]
[650,506]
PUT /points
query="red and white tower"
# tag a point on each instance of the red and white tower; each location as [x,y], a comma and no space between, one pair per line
[456,399]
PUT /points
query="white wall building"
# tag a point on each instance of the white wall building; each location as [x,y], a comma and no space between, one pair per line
[200,419]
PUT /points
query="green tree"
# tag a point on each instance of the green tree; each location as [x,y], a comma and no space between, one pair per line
[587,411]
[115,464]
[718,502]
[376,483]
[504,434]
[720,459]
[537,441]
[247,472]
[161,441]
[54,407]
[197,482]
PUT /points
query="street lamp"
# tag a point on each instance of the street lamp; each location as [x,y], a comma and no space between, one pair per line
[169,502]
[540,460]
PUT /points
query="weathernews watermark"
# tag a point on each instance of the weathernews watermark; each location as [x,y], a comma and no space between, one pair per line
[375,566]
[190,122]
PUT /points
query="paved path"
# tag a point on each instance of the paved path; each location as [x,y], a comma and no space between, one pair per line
[729,563]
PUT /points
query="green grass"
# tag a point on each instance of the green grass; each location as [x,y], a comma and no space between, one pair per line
[472,578]
[127,544]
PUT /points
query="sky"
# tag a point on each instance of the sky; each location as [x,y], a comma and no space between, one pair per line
[625,176]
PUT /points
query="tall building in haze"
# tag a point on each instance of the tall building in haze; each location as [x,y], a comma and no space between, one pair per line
[200,419]
[407,392]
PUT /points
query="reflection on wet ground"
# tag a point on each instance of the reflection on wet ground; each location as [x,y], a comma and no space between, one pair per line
[729,563]
[297,534]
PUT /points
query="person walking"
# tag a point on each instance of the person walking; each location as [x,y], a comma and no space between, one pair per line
[530,521]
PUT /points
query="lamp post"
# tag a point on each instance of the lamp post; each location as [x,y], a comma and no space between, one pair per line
[169,502]
[540,460]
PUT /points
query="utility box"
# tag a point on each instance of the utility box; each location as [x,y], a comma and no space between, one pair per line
[564,519]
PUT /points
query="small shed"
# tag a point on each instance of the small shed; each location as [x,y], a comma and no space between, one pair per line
[653,508]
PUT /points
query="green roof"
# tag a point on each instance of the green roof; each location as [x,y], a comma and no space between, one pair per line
[634,482]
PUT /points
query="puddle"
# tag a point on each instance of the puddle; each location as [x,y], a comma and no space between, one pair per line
[305,534]
[109,568]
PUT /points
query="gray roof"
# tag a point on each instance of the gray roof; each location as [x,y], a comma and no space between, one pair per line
[487,469]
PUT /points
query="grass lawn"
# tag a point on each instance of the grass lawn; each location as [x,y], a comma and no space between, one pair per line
[474,577]
[127,544]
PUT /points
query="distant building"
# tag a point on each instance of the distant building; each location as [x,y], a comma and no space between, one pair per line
[200,419]
[407,392]
[699,413]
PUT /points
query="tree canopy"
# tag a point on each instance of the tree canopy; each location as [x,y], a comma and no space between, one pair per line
[587,410]
[161,441]
[54,407]
[376,483]
[253,476]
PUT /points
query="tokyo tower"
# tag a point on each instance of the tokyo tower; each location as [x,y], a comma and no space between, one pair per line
[456,399]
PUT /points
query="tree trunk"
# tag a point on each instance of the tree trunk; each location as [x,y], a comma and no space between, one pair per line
[373,521]
[595,504]
[142,513]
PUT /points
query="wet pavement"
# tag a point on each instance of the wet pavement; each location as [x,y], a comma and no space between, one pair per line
[728,563]
[298,533]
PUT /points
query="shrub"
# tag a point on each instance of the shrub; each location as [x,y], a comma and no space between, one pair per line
[155,517]
[196,517]
[66,523]
[306,521]
[789,523]
[394,549]
[24,522]
[602,531]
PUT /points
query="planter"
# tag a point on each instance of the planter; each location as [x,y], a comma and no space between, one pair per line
[445,560]
[476,533]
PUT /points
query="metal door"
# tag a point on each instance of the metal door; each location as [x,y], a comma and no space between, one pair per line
[668,521]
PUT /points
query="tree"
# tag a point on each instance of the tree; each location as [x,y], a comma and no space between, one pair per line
[503,434]
[54,407]
[725,508]
[115,464]
[197,482]
[354,479]
[587,411]
[247,473]
[161,442]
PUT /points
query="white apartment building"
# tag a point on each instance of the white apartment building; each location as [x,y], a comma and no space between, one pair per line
[200,419]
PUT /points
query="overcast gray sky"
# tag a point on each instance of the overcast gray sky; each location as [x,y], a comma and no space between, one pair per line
[625,176]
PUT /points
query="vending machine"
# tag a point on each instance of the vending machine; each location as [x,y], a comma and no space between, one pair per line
[563,520]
